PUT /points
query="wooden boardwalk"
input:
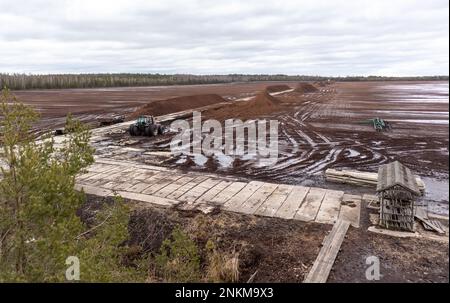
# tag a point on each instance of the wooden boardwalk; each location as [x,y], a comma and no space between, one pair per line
[171,188]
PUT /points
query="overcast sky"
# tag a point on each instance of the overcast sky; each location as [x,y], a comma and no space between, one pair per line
[314,37]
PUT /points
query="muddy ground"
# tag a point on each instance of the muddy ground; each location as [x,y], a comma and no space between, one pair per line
[401,259]
[328,129]
[91,104]
[280,250]
[277,250]
[317,131]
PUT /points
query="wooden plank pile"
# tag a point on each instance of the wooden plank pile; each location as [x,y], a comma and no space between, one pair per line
[360,178]
[429,224]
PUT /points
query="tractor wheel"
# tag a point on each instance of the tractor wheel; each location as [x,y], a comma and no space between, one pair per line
[154,130]
[160,129]
[136,130]
[147,131]
[131,130]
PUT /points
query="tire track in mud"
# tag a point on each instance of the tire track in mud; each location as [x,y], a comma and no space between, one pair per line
[315,150]
[305,150]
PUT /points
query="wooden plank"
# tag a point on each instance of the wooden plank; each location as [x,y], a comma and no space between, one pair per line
[308,210]
[293,202]
[99,176]
[133,165]
[274,201]
[363,178]
[164,202]
[237,200]
[93,190]
[142,185]
[102,168]
[166,180]
[106,178]
[329,209]
[422,216]
[118,185]
[198,190]
[127,185]
[324,262]
[165,191]
[214,191]
[138,187]
[228,193]
[351,209]
[180,191]
[258,198]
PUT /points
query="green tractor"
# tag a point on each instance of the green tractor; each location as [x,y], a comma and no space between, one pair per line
[146,126]
[378,124]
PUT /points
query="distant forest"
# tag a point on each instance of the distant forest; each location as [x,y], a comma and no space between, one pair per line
[58,81]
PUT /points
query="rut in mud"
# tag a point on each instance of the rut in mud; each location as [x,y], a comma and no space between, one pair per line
[327,129]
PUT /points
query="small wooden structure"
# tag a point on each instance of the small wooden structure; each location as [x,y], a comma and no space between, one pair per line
[397,190]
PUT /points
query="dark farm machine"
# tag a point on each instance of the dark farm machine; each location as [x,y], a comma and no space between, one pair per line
[146,126]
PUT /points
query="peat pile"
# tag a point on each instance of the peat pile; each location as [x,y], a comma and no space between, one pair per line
[261,104]
[277,88]
[320,83]
[173,105]
[305,88]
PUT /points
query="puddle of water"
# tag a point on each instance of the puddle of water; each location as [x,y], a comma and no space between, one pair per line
[436,195]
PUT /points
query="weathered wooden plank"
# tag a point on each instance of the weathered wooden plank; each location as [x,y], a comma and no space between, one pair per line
[163,182]
[228,193]
[117,185]
[422,216]
[94,176]
[258,198]
[127,185]
[214,191]
[93,190]
[329,209]
[293,202]
[133,165]
[237,200]
[308,210]
[106,178]
[180,191]
[138,187]
[164,202]
[274,201]
[163,192]
[324,262]
[351,209]
[362,178]
[194,193]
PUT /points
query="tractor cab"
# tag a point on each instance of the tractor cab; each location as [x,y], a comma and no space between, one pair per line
[145,120]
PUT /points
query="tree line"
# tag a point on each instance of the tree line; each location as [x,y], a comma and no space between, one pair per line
[61,81]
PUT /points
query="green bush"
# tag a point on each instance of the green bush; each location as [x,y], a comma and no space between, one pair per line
[39,227]
[178,260]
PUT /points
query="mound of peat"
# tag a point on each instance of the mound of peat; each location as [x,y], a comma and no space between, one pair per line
[262,104]
[305,88]
[277,88]
[173,105]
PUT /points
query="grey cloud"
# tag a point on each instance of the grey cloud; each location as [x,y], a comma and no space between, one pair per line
[403,37]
